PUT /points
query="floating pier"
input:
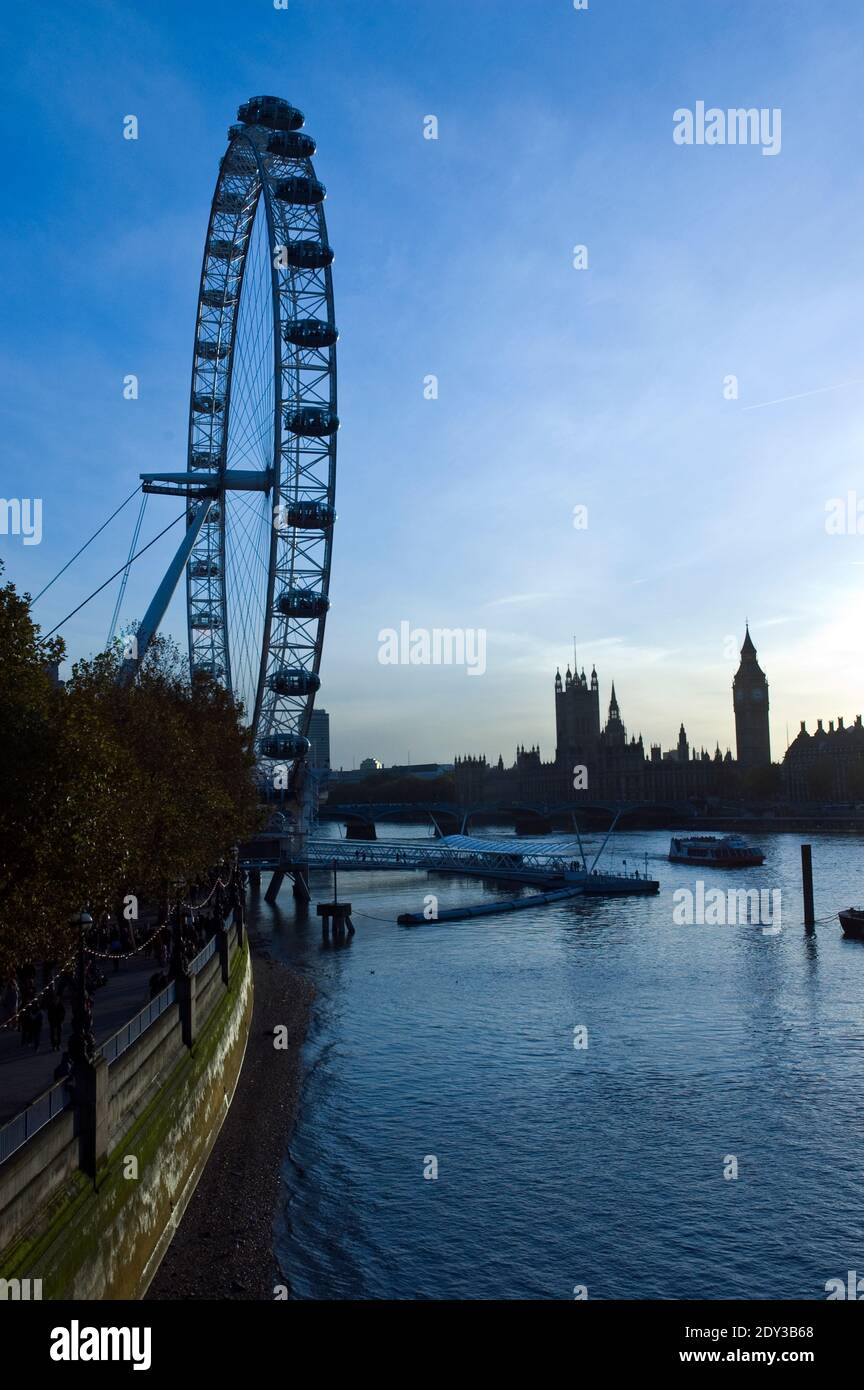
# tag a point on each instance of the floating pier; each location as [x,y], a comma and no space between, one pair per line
[554,865]
[588,885]
[459,914]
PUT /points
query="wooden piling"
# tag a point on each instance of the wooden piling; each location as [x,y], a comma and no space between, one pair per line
[276,881]
[335,916]
[807,884]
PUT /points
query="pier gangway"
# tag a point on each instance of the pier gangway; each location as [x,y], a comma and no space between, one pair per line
[463,854]
[556,863]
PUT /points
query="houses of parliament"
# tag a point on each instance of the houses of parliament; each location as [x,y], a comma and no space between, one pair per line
[599,762]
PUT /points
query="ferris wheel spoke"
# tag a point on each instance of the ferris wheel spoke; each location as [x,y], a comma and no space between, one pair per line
[254,408]
[245,551]
[252,357]
[264,399]
[250,569]
[248,424]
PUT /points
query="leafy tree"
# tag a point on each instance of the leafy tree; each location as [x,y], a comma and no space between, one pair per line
[187,792]
[29,717]
[108,787]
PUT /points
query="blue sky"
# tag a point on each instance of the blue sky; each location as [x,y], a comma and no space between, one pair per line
[557,387]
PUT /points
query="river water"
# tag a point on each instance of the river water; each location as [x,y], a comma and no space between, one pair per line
[449,1047]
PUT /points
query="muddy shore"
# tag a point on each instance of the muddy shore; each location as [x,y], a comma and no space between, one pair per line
[223,1248]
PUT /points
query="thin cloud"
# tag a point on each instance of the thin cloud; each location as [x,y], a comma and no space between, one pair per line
[517,598]
[819,391]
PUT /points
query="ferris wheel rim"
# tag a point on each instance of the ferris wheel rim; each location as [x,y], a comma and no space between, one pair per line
[275,168]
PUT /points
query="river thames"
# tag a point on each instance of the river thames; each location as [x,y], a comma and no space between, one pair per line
[710,1050]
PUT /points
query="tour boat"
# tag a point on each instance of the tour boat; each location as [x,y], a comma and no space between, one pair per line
[730,852]
[852,922]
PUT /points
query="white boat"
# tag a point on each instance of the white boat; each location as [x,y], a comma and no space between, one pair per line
[728,852]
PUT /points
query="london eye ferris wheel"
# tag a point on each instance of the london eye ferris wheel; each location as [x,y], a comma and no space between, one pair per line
[261,469]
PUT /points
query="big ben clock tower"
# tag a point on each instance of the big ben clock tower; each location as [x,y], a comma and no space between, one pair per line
[750,696]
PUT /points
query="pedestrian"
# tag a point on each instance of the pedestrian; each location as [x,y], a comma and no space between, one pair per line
[56,1013]
[35,1024]
[11,998]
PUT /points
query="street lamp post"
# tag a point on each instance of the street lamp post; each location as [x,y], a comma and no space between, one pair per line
[238,892]
[80,1033]
[176,924]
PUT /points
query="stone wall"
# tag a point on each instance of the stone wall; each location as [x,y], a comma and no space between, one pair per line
[92,1213]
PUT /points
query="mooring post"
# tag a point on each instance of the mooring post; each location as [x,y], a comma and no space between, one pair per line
[807,883]
[335,916]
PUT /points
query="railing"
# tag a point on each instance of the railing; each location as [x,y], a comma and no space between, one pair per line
[115,1046]
[203,956]
[131,1031]
[34,1118]
[59,1097]
[453,853]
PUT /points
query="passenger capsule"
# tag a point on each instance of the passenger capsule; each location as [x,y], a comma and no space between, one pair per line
[291,144]
[314,421]
[211,351]
[293,682]
[306,514]
[284,746]
[303,603]
[224,250]
[218,299]
[270,111]
[310,333]
[203,569]
[205,619]
[301,189]
[205,458]
[206,404]
[307,255]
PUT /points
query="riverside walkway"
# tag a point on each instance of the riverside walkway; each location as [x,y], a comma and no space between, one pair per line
[26,1072]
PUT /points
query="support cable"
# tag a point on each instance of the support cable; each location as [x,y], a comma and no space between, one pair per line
[85,545]
[135,538]
[57,626]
